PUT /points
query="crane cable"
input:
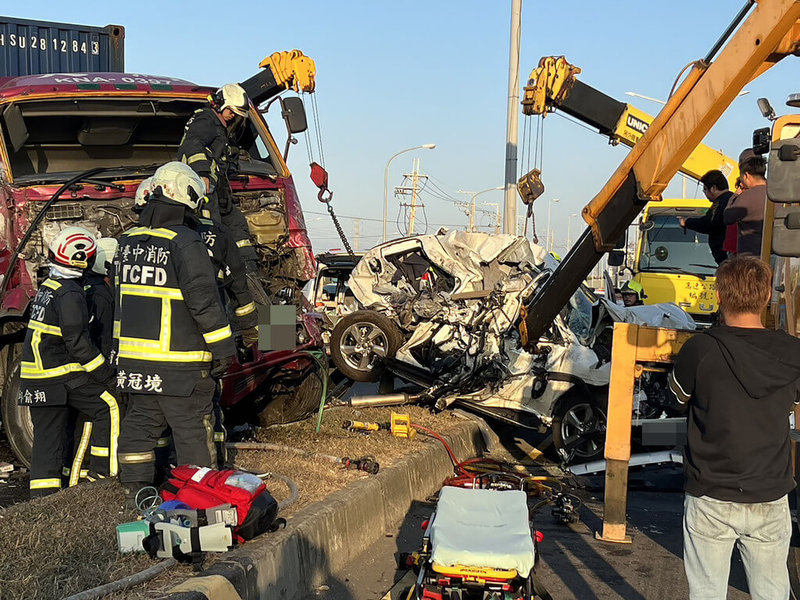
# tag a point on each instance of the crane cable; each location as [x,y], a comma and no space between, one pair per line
[325,195]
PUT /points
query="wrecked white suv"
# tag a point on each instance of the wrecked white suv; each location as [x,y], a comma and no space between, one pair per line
[443,312]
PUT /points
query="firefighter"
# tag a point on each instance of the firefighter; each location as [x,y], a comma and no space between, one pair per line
[232,282]
[234,292]
[632,293]
[205,147]
[100,306]
[172,334]
[61,368]
[99,297]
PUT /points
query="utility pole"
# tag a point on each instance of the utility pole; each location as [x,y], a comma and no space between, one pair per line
[512,127]
[356,232]
[415,177]
[414,183]
[498,223]
[472,208]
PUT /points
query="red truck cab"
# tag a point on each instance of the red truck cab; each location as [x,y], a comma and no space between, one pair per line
[56,126]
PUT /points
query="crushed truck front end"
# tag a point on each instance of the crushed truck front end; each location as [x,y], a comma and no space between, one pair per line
[55,127]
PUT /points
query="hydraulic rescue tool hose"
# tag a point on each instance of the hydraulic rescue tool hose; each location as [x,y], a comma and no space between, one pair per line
[38,219]
[125,582]
[469,472]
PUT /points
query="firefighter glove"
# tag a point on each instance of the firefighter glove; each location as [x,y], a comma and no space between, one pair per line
[250,336]
[220,365]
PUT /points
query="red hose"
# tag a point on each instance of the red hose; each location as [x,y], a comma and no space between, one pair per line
[463,476]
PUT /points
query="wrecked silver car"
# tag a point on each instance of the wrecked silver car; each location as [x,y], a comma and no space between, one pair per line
[444,312]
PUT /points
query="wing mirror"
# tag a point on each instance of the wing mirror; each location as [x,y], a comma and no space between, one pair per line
[294,114]
[616,258]
[661,253]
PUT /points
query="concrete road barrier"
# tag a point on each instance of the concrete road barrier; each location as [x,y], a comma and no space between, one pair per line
[324,537]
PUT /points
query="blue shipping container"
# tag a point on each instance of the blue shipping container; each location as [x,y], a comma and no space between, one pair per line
[34,47]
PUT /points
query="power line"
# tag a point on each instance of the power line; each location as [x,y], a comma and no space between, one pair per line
[311,212]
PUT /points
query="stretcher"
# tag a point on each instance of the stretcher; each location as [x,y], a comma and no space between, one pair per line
[478,545]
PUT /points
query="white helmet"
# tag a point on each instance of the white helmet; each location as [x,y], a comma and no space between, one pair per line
[233,96]
[142,192]
[73,247]
[179,182]
[106,249]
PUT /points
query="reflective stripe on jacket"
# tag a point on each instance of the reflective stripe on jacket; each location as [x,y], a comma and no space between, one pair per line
[169,322]
[57,346]
[231,271]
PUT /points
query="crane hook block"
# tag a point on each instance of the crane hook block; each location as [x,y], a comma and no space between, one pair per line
[530,186]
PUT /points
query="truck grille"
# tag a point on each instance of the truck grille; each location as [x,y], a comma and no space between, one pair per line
[61,211]
[64,212]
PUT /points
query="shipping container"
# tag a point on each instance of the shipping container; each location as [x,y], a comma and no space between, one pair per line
[34,47]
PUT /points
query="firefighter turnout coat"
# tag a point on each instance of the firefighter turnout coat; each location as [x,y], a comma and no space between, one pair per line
[170,323]
[229,268]
[204,146]
[57,348]
[206,149]
[100,303]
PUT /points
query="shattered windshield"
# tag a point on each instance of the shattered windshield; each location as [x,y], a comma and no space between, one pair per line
[668,247]
[579,313]
[48,137]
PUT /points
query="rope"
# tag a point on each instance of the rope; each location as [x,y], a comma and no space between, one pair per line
[309,151]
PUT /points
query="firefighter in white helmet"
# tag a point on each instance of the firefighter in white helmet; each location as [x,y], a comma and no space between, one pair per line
[206,148]
[234,294]
[172,333]
[61,368]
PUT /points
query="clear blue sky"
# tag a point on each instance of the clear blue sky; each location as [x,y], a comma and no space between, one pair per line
[399,74]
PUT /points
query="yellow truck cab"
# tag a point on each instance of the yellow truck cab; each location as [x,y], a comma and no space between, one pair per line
[674,264]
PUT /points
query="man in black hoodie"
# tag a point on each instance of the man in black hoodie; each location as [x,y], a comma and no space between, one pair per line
[739,382]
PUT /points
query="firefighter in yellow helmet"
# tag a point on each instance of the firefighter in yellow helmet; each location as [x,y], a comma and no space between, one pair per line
[172,333]
[633,293]
[61,368]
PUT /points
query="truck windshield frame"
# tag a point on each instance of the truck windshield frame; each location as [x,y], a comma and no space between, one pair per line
[65,134]
[687,251]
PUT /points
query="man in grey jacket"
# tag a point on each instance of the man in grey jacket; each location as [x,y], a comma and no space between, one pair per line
[747,210]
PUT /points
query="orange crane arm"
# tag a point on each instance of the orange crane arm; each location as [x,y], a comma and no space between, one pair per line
[768,33]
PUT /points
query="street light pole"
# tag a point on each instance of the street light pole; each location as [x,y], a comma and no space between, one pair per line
[472,227]
[569,231]
[550,231]
[386,180]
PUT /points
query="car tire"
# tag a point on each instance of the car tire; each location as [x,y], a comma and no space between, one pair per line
[579,427]
[359,343]
[16,419]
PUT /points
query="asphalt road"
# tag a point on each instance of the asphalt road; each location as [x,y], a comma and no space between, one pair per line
[573,564]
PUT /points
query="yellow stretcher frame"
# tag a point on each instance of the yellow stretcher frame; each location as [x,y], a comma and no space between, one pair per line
[478,574]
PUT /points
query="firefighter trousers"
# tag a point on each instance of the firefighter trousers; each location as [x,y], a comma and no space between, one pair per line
[50,436]
[147,416]
[165,449]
